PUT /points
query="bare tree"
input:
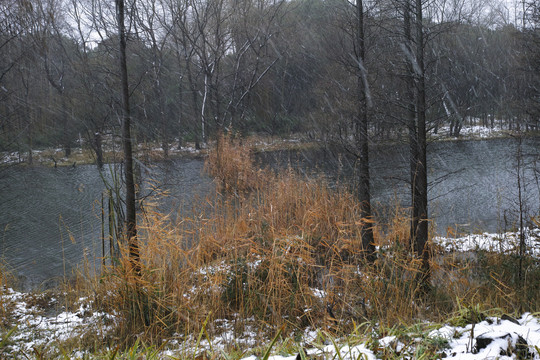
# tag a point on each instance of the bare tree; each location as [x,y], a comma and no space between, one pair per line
[15,19]
[92,103]
[54,49]
[184,34]
[416,110]
[362,137]
[420,234]
[17,63]
[150,20]
[227,51]
[131,214]
[254,25]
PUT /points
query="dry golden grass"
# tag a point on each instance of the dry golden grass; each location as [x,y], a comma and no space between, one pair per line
[231,163]
[278,250]
[6,306]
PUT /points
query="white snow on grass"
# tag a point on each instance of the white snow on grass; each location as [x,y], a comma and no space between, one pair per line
[321,294]
[10,157]
[506,243]
[39,326]
[493,338]
[36,328]
[472,131]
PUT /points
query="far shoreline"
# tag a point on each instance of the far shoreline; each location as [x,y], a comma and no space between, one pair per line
[152,152]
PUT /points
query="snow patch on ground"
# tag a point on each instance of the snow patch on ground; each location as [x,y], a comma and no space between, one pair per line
[471,131]
[504,338]
[35,328]
[503,243]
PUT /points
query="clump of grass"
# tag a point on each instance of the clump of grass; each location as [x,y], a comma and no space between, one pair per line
[7,277]
[499,283]
[274,250]
[231,163]
[282,254]
[7,280]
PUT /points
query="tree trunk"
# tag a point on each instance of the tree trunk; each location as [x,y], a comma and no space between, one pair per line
[29,134]
[98,147]
[180,112]
[160,96]
[131,216]
[66,138]
[411,118]
[421,200]
[198,130]
[416,110]
[362,140]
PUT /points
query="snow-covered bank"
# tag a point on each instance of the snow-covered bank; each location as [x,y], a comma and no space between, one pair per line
[505,243]
[39,319]
[84,155]
[472,132]
[495,337]
[111,147]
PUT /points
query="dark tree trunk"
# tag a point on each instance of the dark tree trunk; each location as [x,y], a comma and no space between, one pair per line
[66,136]
[160,96]
[30,152]
[131,215]
[180,107]
[421,200]
[411,117]
[362,139]
[197,127]
[98,148]
[416,110]
[59,86]
[458,126]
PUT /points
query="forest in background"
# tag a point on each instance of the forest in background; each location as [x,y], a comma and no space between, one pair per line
[271,249]
[274,67]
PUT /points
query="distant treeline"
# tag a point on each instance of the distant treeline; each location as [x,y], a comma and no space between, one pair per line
[200,66]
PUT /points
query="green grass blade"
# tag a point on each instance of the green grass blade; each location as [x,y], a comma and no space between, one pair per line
[115,352]
[5,340]
[302,353]
[338,352]
[269,349]
[201,333]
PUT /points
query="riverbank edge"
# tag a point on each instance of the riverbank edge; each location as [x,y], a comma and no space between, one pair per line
[51,157]
[54,157]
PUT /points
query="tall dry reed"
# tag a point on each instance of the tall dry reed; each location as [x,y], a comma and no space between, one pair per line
[275,250]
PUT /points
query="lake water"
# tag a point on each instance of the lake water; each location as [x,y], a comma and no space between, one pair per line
[50,217]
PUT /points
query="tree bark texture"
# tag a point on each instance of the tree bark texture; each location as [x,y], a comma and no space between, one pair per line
[416,115]
[362,139]
[131,215]
[421,239]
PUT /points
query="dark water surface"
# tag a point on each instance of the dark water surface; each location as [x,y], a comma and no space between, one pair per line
[50,218]
[471,183]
